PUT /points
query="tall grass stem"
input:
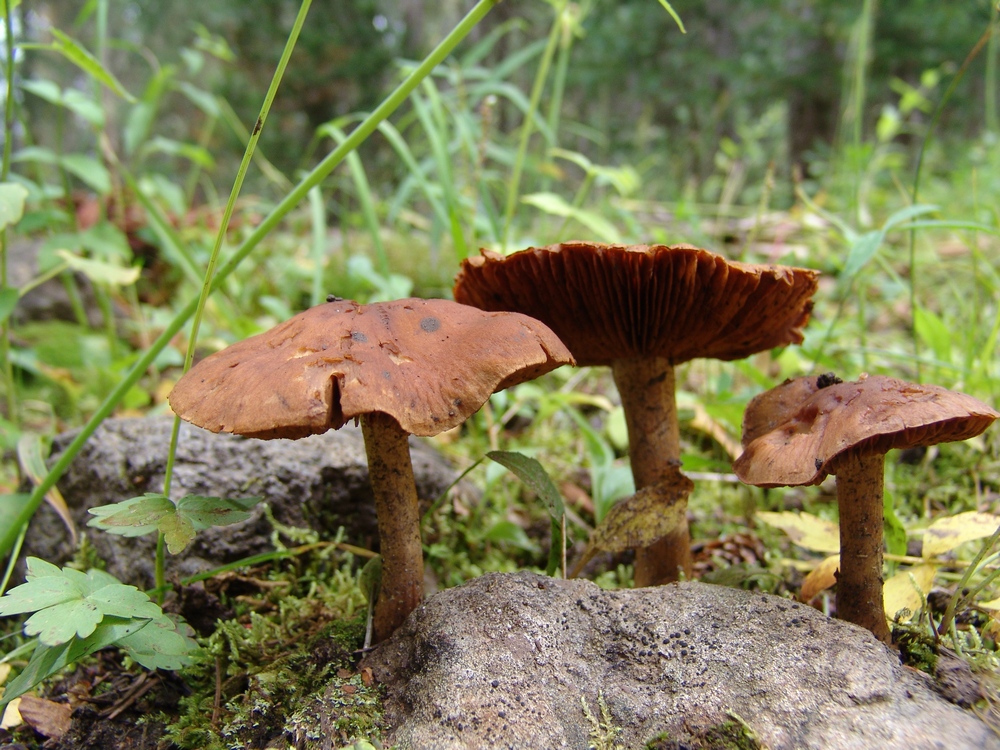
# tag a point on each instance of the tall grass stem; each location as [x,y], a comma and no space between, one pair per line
[925,141]
[296,195]
[514,184]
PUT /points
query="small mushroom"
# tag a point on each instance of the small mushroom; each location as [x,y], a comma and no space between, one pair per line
[643,310]
[800,432]
[407,367]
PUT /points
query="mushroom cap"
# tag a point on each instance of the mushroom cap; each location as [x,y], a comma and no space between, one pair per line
[777,405]
[872,415]
[430,364]
[609,302]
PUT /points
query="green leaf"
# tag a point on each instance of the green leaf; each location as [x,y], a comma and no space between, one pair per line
[203,100]
[75,101]
[907,213]
[47,660]
[70,604]
[862,251]
[79,56]
[120,600]
[38,568]
[8,301]
[673,14]
[178,523]
[48,591]
[178,532]
[556,205]
[160,645]
[99,271]
[204,512]
[11,506]
[12,197]
[133,517]
[89,170]
[61,622]
[533,474]
[933,332]
[894,530]
[509,532]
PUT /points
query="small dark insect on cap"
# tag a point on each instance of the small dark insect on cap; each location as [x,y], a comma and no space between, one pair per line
[334,298]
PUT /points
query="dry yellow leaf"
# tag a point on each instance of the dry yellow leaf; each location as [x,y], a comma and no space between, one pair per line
[822,577]
[947,533]
[11,717]
[638,521]
[907,589]
[805,529]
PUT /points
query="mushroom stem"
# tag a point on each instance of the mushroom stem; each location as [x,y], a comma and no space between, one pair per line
[396,507]
[646,386]
[859,581]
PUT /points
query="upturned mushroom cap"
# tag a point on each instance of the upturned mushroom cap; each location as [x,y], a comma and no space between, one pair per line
[609,302]
[430,364]
[872,415]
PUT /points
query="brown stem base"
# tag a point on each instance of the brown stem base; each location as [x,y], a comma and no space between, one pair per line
[859,581]
[391,473]
[646,386]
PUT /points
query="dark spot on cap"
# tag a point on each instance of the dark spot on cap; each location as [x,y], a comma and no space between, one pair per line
[827,379]
[819,464]
[358,336]
[430,324]
[457,402]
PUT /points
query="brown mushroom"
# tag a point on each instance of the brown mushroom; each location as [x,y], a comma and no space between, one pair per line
[406,367]
[846,429]
[643,309]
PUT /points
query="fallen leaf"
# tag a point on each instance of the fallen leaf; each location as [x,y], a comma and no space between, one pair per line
[638,521]
[822,577]
[48,718]
[907,590]
[11,716]
[805,529]
[947,533]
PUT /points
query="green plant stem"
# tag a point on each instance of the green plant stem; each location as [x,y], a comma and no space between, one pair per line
[207,287]
[514,186]
[991,82]
[317,212]
[949,613]
[315,177]
[559,80]
[935,117]
[8,119]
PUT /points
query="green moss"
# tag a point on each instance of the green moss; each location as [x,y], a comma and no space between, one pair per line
[285,669]
[729,735]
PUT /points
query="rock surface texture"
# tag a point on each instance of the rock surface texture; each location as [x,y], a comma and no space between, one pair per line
[506,661]
[320,482]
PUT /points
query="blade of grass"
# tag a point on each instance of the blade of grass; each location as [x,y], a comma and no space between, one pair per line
[925,141]
[514,184]
[364,194]
[297,194]
[13,412]
[317,213]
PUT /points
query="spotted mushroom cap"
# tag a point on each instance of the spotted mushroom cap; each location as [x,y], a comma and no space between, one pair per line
[609,302]
[872,415]
[430,364]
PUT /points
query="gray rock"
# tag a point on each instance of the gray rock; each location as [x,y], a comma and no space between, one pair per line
[49,300]
[320,482]
[505,660]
